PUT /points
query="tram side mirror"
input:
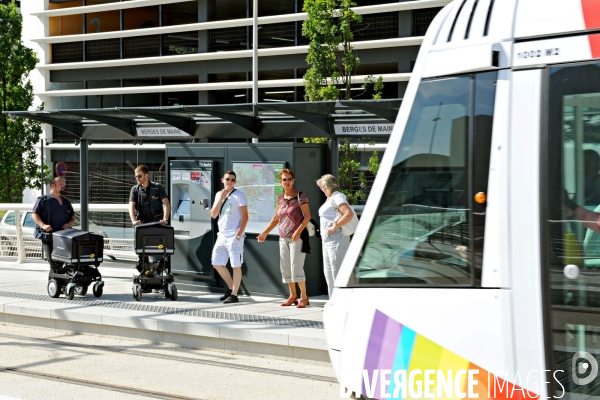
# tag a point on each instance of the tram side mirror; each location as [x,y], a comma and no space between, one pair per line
[181,218]
[205,203]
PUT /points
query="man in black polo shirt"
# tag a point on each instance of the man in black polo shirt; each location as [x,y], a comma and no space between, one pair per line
[53,212]
[148,202]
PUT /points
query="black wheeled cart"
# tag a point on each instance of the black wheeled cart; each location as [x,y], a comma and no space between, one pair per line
[155,241]
[74,263]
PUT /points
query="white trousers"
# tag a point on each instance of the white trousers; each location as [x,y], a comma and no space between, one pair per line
[335,246]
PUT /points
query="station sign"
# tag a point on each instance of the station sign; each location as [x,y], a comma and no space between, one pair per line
[363,129]
[160,132]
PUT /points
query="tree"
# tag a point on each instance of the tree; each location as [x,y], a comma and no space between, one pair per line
[330,28]
[18,160]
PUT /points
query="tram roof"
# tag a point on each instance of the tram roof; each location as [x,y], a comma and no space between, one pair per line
[231,121]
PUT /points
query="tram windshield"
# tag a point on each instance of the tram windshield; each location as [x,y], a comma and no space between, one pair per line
[426,230]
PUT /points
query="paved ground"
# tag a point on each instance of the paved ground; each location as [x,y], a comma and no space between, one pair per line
[256,325]
[48,365]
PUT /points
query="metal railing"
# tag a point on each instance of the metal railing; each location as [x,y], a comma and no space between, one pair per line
[26,246]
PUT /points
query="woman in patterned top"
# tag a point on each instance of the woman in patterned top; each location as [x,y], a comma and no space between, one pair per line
[292,214]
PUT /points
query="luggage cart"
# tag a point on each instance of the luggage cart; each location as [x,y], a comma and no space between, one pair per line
[74,263]
[154,239]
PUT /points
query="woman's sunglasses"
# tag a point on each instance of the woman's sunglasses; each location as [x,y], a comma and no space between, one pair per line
[287,179]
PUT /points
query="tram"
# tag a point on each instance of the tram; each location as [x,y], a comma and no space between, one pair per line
[475,268]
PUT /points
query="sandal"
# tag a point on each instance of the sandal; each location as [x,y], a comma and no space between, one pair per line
[290,301]
[303,303]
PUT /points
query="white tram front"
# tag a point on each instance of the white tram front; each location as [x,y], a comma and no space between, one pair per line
[475,269]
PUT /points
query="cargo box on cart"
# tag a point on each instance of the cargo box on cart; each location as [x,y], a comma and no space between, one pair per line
[72,246]
[154,238]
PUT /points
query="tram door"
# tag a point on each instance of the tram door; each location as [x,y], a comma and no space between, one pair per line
[571,227]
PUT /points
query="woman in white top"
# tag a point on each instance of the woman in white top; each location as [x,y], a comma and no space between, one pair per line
[335,243]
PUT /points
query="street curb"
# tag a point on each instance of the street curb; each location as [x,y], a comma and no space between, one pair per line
[299,344]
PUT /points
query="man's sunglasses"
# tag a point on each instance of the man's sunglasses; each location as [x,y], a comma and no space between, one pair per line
[139,176]
[230,179]
[287,179]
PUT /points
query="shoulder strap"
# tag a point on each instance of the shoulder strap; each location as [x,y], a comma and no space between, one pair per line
[300,204]
[47,206]
[333,201]
[224,201]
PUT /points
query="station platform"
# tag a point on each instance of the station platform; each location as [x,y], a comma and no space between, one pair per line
[257,325]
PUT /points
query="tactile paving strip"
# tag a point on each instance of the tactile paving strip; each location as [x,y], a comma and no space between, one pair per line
[193,312]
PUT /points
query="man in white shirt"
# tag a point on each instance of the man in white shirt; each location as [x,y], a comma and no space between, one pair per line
[231,208]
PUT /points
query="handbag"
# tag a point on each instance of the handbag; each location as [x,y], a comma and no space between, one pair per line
[349,228]
[312,228]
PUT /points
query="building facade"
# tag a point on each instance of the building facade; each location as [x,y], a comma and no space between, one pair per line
[138,53]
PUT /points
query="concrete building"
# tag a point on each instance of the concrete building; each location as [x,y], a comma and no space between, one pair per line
[137,53]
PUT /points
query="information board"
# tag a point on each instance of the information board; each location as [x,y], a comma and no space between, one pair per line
[260,184]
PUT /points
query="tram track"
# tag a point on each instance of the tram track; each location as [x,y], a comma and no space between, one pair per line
[96,385]
[179,358]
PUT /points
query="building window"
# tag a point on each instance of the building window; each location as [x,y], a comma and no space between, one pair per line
[56,4]
[98,2]
[104,101]
[180,13]
[228,39]
[66,25]
[141,46]
[276,35]
[274,7]
[141,99]
[180,43]
[229,9]
[67,52]
[108,21]
[422,20]
[99,50]
[377,26]
[140,18]
[179,98]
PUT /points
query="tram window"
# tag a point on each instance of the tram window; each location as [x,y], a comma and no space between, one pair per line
[426,230]
[572,232]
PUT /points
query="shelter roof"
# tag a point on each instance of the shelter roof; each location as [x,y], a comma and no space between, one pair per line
[231,121]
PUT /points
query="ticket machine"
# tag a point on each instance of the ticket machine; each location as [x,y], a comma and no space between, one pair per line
[191,196]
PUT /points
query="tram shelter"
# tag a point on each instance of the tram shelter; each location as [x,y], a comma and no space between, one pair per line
[272,133]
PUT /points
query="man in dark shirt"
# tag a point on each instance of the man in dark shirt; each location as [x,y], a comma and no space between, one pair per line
[53,212]
[148,202]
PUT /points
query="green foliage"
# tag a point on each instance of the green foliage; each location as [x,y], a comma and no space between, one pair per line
[377,86]
[18,161]
[316,140]
[333,62]
[330,53]
[347,169]
[374,163]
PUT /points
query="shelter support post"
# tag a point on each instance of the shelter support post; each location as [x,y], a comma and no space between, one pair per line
[334,156]
[83,191]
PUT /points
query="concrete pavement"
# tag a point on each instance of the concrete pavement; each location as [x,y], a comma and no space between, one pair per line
[258,325]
